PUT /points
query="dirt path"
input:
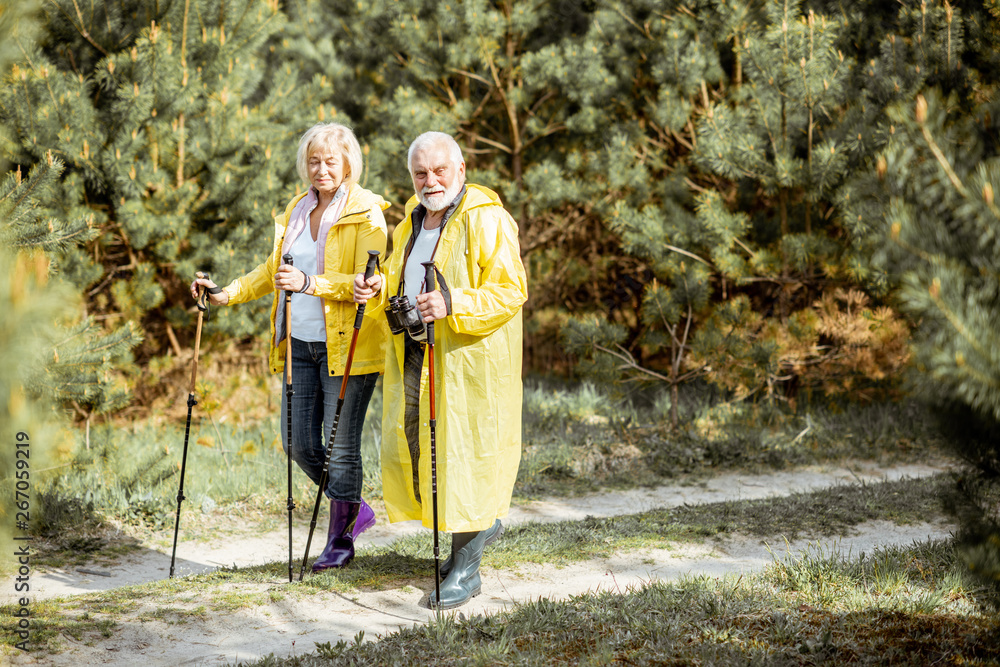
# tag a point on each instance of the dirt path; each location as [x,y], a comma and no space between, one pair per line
[289,625]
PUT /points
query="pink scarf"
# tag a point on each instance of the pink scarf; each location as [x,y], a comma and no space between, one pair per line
[299,220]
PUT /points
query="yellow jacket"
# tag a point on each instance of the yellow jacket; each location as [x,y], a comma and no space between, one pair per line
[360,228]
[477,373]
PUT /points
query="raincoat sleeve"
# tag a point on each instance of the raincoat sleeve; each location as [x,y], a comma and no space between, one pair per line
[255,284]
[501,286]
[371,236]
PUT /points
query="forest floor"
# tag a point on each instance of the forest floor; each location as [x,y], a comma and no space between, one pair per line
[286,625]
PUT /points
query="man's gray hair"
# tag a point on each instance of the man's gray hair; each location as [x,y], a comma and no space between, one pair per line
[432,138]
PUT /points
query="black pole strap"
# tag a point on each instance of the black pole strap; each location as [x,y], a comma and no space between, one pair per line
[203,303]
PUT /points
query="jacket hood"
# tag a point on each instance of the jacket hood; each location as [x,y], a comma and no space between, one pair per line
[358,200]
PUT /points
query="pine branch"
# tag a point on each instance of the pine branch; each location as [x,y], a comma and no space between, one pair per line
[684,252]
[936,150]
[953,319]
[495,144]
[470,75]
[629,361]
[80,28]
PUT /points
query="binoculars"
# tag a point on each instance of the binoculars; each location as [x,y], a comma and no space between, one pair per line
[402,316]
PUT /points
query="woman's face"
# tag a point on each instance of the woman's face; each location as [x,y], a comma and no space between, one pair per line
[326,170]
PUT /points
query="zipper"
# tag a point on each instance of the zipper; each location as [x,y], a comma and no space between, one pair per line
[326,325]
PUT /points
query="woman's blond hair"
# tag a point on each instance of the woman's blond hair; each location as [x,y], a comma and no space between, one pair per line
[330,136]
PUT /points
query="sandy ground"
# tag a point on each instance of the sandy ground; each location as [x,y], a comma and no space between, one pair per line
[293,624]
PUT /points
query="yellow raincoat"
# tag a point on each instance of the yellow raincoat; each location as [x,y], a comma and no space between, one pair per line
[360,228]
[477,373]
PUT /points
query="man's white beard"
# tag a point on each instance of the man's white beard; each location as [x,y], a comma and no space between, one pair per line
[436,203]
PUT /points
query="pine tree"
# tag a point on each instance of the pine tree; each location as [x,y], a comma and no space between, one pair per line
[736,253]
[939,174]
[79,373]
[24,226]
[65,360]
[26,422]
[30,304]
[178,138]
[785,136]
[925,46]
[18,26]
[775,137]
[952,53]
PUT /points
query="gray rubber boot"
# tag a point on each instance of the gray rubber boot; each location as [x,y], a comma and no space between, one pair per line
[463,582]
[493,533]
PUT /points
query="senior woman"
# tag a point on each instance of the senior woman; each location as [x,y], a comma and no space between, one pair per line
[328,230]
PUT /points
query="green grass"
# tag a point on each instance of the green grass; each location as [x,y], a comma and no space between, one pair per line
[830,512]
[409,561]
[914,604]
[814,610]
[124,486]
[566,424]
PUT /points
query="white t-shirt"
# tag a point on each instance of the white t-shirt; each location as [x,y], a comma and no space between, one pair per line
[422,251]
[308,321]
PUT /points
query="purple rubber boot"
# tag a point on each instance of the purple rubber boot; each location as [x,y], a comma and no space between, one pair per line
[366,519]
[339,549]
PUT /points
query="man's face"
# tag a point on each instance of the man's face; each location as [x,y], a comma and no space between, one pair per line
[436,180]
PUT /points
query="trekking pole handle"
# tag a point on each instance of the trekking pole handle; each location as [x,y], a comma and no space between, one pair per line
[429,286]
[202,291]
[369,272]
[370,265]
[287,259]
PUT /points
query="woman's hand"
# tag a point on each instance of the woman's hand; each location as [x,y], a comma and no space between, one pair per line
[219,299]
[364,290]
[289,279]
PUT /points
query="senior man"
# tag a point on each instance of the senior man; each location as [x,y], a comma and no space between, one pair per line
[472,240]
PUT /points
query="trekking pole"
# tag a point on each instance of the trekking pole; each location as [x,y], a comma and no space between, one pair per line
[287,259]
[192,401]
[369,272]
[429,287]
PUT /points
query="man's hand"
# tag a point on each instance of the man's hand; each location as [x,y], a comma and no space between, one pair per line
[366,290]
[432,306]
[289,279]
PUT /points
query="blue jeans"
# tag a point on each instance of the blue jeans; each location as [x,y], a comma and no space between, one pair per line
[314,405]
